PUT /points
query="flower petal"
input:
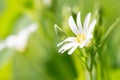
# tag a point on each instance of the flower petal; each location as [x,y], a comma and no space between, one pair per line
[89,36]
[67,39]
[79,21]
[72,50]
[82,44]
[32,28]
[73,25]
[86,21]
[87,43]
[11,41]
[92,26]
[66,47]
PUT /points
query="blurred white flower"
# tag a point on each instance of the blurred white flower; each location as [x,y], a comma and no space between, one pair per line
[19,41]
[47,2]
[83,34]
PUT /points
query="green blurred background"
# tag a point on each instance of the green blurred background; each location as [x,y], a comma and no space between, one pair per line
[41,60]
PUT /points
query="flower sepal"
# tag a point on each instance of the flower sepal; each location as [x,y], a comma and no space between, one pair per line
[60,32]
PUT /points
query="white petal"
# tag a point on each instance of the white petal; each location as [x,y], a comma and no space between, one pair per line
[22,41]
[11,41]
[89,36]
[86,21]
[73,25]
[82,45]
[32,28]
[65,49]
[67,39]
[72,50]
[67,46]
[79,21]
[92,26]
[87,43]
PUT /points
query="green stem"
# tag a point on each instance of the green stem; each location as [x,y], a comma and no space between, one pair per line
[90,75]
[91,66]
[89,69]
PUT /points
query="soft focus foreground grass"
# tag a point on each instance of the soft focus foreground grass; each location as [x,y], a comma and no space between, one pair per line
[6,72]
[40,60]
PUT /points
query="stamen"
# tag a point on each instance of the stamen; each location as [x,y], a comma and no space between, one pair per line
[80,38]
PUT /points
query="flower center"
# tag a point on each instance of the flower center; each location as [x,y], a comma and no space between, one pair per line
[80,38]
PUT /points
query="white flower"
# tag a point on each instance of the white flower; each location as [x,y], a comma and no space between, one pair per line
[83,34]
[47,2]
[18,41]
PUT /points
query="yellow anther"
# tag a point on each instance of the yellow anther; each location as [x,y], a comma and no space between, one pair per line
[80,38]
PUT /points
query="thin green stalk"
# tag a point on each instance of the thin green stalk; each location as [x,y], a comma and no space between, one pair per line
[91,75]
[108,32]
[89,69]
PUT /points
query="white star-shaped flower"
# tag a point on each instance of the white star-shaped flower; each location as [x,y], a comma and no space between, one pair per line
[83,34]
